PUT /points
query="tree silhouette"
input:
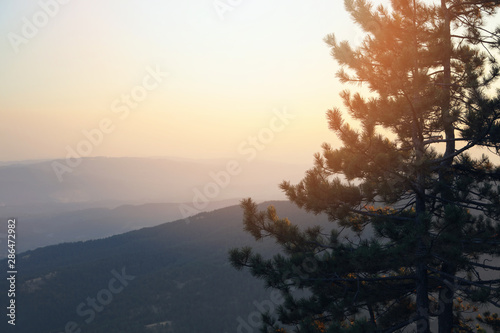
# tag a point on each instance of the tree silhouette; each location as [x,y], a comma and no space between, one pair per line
[409,180]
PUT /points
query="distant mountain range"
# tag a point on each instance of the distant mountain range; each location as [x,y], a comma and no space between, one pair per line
[174,277]
[100,196]
[38,230]
[110,182]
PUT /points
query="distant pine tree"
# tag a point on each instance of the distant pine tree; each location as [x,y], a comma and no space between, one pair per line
[409,170]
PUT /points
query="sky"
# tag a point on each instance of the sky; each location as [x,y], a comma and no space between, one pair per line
[191,79]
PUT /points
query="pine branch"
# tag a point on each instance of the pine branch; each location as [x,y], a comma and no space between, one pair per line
[479,284]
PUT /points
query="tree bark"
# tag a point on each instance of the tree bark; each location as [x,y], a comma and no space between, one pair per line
[422,288]
[446,293]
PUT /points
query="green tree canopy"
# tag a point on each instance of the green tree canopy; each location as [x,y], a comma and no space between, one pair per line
[413,179]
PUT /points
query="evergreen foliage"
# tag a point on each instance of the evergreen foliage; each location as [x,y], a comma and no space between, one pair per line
[414,168]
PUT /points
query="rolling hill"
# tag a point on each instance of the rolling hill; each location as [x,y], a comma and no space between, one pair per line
[106,196]
[45,229]
[174,277]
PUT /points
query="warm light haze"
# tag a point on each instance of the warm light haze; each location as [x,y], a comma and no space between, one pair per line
[231,65]
[242,166]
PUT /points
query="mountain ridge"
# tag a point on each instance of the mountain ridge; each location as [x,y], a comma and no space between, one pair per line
[181,275]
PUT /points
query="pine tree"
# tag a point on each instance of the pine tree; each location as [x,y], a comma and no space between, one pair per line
[409,180]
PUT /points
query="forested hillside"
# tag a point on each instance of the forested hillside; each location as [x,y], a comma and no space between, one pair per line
[180,271]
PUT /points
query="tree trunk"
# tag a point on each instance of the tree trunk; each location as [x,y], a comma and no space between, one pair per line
[446,296]
[422,289]
[421,267]
[446,293]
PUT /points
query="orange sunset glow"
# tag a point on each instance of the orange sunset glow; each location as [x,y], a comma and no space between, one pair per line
[226,70]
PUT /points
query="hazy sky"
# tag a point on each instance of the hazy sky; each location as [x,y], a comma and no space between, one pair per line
[100,64]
